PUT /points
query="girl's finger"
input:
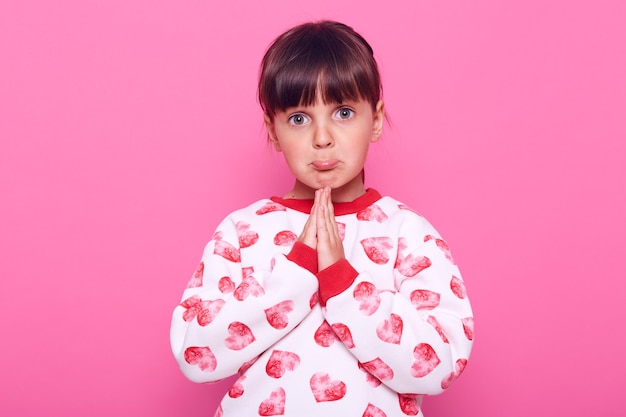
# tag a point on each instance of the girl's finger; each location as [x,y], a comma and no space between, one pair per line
[322,226]
[333,229]
[309,231]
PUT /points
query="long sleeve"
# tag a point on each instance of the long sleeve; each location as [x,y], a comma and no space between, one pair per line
[369,335]
[245,295]
[413,332]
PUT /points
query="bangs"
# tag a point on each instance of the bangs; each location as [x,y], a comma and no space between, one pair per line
[299,83]
[322,63]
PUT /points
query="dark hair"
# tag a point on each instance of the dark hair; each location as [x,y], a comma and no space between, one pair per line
[327,58]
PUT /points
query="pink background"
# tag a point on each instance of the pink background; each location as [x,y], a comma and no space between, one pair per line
[129,128]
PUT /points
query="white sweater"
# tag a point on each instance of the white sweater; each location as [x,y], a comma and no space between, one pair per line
[367,336]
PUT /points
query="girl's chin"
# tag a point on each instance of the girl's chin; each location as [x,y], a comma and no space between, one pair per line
[340,187]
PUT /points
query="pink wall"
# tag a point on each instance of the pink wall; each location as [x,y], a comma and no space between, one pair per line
[129,128]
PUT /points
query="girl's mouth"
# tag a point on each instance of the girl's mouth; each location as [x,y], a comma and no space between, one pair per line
[325,165]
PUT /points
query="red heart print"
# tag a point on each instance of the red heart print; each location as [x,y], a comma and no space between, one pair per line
[379,369]
[205,311]
[402,245]
[196,278]
[343,333]
[325,389]
[249,286]
[409,404]
[433,322]
[426,360]
[443,245]
[237,390]
[226,251]
[274,405]
[376,248]
[270,207]
[277,315]
[371,379]
[425,299]
[459,366]
[373,411]
[280,362]
[209,310]
[193,305]
[468,327]
[247,237]
[285,238]
[372,213]
[201,356]
[458,287]
[390,330]
[324,335]
[246,271]
[367,296]
[411,265]
[341,229]
[405,207]
[240,336]
[226,285]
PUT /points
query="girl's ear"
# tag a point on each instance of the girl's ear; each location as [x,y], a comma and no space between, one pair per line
[271,132]
[379,120]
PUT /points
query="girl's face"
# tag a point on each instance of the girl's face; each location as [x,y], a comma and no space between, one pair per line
[326,145]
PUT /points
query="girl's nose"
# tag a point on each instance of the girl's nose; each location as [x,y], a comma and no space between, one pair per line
[323,138]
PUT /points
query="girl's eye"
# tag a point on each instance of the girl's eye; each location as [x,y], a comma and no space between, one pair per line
[345,113]
[298,119]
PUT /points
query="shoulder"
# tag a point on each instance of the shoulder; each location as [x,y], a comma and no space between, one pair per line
[261,215]
[404,216]
[257,209]
[393,207]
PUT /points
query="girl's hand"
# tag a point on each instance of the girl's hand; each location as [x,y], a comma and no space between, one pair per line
[329,245]
[309,232]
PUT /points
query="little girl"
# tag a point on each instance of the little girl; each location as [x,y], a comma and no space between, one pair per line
[331,300]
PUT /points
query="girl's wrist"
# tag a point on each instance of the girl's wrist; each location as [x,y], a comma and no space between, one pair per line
[335,279]
[305,256]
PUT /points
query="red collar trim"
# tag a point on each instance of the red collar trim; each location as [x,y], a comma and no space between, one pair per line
[304,206]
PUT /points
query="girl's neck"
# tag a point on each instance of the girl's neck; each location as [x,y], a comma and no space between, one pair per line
[344,194]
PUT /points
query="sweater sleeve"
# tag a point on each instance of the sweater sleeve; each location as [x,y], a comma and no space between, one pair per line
[415,335]
[231,312]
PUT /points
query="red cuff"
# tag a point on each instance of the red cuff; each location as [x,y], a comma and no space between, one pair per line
[304,255]
[335,279]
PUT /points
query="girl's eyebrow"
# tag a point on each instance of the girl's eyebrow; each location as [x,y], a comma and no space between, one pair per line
[304,107]
[295,109]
